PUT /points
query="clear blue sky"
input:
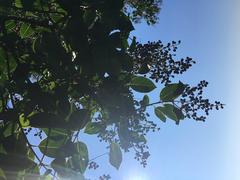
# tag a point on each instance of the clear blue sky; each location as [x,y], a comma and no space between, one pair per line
[210,33]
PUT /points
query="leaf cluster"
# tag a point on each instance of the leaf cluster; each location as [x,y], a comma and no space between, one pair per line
[68,67]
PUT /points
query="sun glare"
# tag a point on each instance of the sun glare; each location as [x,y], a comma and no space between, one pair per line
[136,176]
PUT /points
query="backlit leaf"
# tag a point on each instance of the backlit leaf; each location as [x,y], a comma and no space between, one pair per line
[145,100]
[172,91]
[159,113]
[10,25]
[26,30]
[142,84]
[172,112]
[24,121]
[115,155]
[51,147]
[80,157]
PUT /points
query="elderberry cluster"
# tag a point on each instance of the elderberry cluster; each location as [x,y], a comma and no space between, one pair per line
[194,105]
[142,154]
[27,131]
[93,165]
[105,177]
[160,60]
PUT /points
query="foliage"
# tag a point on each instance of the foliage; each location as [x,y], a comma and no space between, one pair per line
[70,66]
[145,9]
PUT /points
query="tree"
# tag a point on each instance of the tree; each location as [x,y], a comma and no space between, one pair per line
[68,66]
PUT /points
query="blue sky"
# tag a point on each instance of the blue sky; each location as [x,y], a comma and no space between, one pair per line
[209,31]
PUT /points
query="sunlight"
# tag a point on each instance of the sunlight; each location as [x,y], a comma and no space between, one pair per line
[137,176]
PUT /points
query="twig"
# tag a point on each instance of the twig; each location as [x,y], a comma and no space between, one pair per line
[46,146]
[98,156]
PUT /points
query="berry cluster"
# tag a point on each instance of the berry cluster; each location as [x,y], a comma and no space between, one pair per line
[105,177]
[93,165]
[158,61]
[194,105]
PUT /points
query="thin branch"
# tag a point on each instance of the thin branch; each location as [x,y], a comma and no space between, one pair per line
[151,104]
[98,156]
[76,136]
[46,146]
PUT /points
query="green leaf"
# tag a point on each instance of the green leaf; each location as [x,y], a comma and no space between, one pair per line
[56,132]
[80,158]
[115,155]
[46,120]
[158,112]
[24,121]
[57,142]
[172,91]
[2,175]
[51,147]
[18,4]
[14,162]
[172,112]
[168,111]
[26,30]
[78,119]
[10,128]
[31,155]
[59,165]
[145,100]
[142,84]
[92,128]
[178,113]
[63,168]
[10,25]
